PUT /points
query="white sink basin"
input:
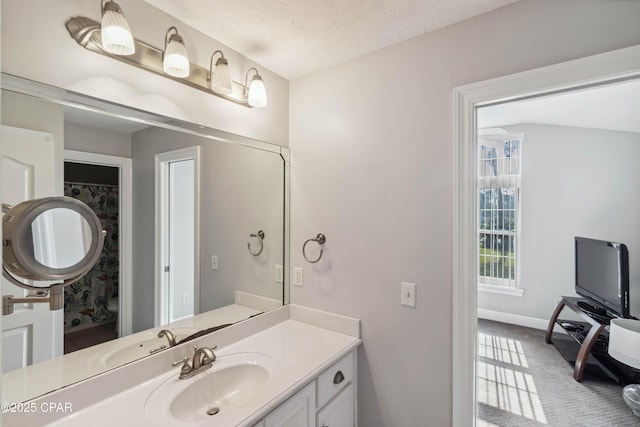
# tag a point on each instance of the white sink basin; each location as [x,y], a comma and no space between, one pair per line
[216,394]
[147,344]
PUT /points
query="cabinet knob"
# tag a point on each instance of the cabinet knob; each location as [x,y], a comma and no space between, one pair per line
[338,378]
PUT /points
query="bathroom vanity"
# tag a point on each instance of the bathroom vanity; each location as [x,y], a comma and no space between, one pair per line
[292,366]
[328,400]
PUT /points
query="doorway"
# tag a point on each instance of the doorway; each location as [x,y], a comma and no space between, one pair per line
[177,225]
[99,173]
[91,304]
[597,70]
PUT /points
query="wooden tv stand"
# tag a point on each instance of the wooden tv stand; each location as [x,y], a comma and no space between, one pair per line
[597,334]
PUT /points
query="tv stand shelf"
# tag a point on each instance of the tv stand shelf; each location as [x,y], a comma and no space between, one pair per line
[590,335]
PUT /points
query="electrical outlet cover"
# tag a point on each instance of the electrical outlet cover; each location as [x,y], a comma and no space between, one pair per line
[297,276]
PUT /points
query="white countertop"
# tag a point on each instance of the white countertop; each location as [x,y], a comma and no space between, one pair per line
[35,380]
[301,351]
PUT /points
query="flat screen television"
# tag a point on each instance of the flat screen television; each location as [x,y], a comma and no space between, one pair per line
[602,275]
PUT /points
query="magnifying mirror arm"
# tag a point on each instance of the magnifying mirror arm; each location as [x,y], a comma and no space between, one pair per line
[55,298]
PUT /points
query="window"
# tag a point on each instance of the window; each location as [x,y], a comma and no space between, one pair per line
[499,209]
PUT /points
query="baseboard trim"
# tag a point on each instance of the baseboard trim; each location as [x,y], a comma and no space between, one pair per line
[514,319]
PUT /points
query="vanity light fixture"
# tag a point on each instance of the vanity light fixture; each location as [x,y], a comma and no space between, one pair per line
[220,78]
[116,35]
[171,62]
[255,91]
[175,60]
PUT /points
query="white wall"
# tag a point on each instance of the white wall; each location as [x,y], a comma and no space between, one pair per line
[372,169]
[36,45]
[575,182]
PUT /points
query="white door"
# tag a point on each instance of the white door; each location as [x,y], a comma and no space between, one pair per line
[181,234]
[32,333]
[177,246]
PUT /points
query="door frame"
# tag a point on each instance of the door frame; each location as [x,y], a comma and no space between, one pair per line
[125,274]
[161,189]
[594,70]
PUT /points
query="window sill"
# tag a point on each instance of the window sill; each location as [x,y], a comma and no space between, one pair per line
[503,290]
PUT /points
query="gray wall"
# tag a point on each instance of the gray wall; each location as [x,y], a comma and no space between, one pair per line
[575,182]
[241,192]
[373,169]
[92,139]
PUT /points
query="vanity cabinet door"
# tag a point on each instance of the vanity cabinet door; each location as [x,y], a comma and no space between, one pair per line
[298,411]
[340,412]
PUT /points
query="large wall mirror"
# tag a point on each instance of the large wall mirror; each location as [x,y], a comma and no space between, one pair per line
[196,225]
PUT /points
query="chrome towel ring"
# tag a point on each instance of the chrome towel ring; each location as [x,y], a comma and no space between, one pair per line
[259,236]
[319,239]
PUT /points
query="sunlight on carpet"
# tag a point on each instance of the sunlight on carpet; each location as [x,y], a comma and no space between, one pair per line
[502,349]
[483,423]
[508,389]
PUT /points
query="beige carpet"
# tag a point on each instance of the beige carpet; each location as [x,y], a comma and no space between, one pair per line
[522,381]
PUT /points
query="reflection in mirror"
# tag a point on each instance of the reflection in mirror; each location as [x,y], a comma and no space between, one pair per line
[48,241]
[61,238]
[113,159]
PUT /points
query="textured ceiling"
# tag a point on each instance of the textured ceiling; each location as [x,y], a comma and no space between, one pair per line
[296,37]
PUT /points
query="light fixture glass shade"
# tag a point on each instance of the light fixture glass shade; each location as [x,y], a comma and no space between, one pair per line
[221,78]
[116,35]
[257,92]
[176,60]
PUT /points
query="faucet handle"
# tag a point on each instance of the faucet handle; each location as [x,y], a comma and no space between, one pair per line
[186,368]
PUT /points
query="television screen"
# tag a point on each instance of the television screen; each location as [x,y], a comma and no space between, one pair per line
[602,274]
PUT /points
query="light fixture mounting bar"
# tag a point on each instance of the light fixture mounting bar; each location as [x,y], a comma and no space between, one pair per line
[86,32]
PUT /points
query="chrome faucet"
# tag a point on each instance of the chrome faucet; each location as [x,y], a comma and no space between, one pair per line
[169,335]
[202,359]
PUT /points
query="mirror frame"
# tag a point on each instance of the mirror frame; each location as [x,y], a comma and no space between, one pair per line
[56,95]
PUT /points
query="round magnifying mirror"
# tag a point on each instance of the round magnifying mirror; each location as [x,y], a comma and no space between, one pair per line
[61,238]
[50,239]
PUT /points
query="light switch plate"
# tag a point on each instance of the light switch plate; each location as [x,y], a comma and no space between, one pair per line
[214,262]
[408,294]
[279,274]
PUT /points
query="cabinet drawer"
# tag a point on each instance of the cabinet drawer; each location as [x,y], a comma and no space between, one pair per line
[334,379]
